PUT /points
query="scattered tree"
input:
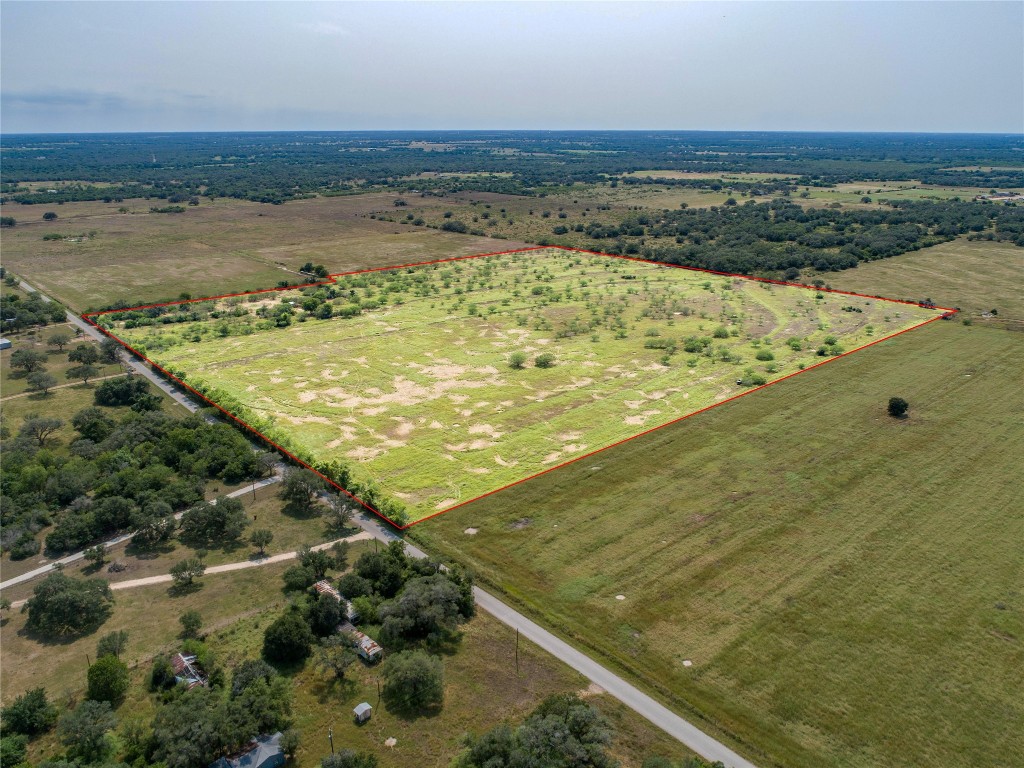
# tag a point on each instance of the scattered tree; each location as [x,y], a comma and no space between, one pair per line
[49,216]
[112,644]
[191,623]
[300,491]
[83,372]
[349,758]
[30,714]
[214,522]
[335,655]
[28,360]
[39,428]
[545,360]
[96,555]
[83,730]
[86,354]
[186,571]
[59,340]
[62,606]
[261,538]
[110,351]
[288,639]
[414,681]
[563,731]
[41,381]
[517,360]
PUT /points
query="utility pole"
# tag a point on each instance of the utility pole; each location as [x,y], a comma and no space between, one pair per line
[517,650]
[330,737]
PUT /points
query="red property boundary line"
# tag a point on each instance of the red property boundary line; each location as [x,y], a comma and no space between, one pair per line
[947,312]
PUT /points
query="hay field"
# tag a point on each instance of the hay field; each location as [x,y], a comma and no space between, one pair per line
[223,245]
[416,393]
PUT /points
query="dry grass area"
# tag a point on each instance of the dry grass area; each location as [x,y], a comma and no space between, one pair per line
[217,247]
[975,275]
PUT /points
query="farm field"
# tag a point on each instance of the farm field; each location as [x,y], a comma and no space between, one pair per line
[232,244]
[415,388]
[846,586]
[974,275]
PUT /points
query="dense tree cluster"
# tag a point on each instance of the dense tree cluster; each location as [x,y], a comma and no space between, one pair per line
[780,235]
[18,312]
[126,473]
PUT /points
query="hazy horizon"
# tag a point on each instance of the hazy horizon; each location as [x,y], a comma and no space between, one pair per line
[790,67]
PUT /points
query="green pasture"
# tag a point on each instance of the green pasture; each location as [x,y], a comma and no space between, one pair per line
[418,394]
[845,586]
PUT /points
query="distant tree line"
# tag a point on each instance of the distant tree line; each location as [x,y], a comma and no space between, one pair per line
[277,167]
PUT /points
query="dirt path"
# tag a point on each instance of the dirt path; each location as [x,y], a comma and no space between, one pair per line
[166,578]
[61,386]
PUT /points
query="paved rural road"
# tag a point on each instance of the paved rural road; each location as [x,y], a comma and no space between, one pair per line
[615,686]
[630,695]
[133,365]
[121,539]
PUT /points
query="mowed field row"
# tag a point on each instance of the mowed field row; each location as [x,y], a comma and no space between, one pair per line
[846,586]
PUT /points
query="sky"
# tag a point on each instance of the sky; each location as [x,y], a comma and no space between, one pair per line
[789,66]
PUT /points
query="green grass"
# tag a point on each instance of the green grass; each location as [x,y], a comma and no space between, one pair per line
[419,396]
[483,686]
[974,275]
[847,586]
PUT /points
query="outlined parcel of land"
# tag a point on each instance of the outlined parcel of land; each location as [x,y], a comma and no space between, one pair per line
[439,383]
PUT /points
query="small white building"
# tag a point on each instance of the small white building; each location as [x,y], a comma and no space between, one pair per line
[362,712]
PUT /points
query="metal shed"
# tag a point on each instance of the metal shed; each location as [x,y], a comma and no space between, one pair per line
[362,712]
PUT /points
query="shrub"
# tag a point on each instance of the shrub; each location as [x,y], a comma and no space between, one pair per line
[546,360]
[764,354]
[108,680]
[191,622]
[288,639]
[517,360]
[30,714]
[414,681]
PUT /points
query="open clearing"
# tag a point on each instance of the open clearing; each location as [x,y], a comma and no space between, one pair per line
[416,394]
[845,586]
[235,245]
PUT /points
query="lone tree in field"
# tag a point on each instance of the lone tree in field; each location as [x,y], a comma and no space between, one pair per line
[517,360]
[49,216]
[261,538]
[898,407]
